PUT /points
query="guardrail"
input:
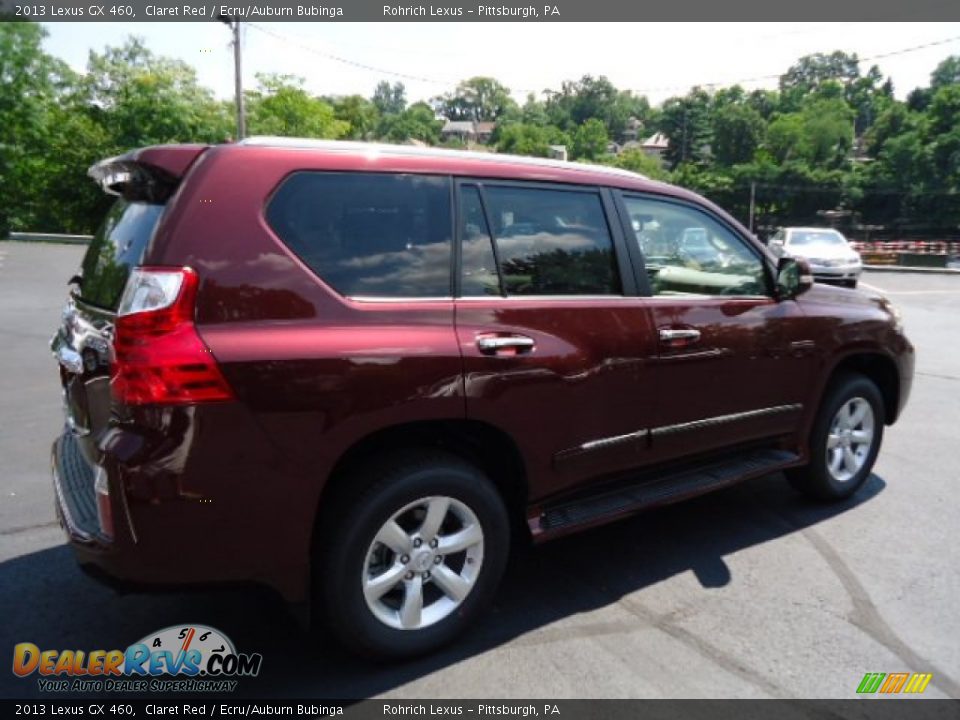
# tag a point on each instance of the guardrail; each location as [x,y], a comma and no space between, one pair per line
[50,238]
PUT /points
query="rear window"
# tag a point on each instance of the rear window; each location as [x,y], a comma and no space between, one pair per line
[117,247]
[367,234]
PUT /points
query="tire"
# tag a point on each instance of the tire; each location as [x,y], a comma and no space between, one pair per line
[379,619]
[829,476]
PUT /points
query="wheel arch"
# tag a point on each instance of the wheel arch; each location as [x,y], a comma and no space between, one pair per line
[482,444]
[879,368]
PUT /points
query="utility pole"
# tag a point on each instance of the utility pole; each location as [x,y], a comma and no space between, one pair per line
[234,25]
[753,201]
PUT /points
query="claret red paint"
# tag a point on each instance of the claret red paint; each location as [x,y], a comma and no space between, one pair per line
[359,373]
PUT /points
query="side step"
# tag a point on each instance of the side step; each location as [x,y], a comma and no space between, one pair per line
[663,490]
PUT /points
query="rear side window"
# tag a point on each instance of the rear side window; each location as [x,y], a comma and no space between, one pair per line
[546,242]
[369,234]
[118,246]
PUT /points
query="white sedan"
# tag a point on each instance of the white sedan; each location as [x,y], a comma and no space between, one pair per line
[830,256]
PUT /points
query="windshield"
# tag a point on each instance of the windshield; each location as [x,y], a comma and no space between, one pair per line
[815,237]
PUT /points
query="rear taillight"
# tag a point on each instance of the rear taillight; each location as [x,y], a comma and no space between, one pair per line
[160,358]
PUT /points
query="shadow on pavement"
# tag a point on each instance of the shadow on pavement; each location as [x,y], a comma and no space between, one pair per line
[47,600]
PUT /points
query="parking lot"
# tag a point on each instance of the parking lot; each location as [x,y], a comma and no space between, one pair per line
[749,592]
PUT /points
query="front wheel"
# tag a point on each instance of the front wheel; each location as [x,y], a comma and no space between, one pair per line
[408,564]
[845,440]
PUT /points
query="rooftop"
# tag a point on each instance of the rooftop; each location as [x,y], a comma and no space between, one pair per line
[375,149]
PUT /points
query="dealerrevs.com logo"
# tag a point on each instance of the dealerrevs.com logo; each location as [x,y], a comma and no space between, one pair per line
[180,658]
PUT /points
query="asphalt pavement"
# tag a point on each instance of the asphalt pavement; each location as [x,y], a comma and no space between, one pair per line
[750,592]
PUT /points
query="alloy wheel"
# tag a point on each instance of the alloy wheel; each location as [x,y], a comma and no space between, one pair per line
[422,563]
[850,439]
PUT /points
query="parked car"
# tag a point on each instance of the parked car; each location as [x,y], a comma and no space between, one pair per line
[827,251]
[360,374]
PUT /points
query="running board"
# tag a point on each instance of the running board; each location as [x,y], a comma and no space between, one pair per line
[671,488]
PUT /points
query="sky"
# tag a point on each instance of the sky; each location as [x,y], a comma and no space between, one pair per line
[658,60]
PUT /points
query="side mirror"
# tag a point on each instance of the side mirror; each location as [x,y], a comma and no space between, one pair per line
[793,277]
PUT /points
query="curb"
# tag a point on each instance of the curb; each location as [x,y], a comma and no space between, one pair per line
[905,269]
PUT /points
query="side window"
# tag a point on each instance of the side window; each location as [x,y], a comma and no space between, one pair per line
[479,274]
[687,252]
[369,234]
[548,242]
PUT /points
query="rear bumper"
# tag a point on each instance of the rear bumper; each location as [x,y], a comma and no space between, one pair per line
[186,512]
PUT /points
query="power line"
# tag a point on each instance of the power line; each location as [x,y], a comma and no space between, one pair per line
[776,76]
[347,61]
[641,91]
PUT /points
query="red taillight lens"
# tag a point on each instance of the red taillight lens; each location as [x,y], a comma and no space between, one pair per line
[160,358]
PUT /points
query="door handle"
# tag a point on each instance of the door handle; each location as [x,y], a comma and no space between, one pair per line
[680,336]
[505,344]
[677,338]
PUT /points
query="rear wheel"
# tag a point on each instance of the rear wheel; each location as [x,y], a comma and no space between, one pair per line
[845,440]
[406,565]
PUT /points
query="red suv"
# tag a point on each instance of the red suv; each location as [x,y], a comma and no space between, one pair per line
[359,373]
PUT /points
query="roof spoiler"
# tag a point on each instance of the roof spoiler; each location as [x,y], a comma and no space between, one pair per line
[149,174]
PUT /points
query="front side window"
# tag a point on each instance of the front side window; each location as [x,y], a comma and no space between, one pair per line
[369,234]
[547,242]
[687,252]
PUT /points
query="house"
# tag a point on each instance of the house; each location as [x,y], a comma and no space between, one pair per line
[468,131]
[463,130]
[631,131]
[655,146]
[484,131]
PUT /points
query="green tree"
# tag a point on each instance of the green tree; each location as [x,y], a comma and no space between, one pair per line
[359,112]
[738,130]
[479,98]
[390,99]
[146,99]
[635,160]
[687,124]
[417,122]
[281,106]
[590,141]
[528,139]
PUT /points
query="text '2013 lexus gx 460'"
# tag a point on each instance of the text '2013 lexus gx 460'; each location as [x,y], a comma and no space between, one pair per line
[360,373]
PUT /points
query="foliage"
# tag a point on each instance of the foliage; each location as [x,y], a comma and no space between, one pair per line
[831,135]
[479,98]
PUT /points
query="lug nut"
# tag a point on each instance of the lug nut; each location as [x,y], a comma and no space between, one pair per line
[417,542]
[437,560]
[404,559]
[434,543]
[408,576]
[426,575]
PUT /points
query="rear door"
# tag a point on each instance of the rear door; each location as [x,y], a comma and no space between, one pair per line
[733,365]
[554,338]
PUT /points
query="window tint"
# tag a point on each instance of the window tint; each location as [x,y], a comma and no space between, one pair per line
[369,234]
[479,274]
[687,252]
[119,244]
[551,242]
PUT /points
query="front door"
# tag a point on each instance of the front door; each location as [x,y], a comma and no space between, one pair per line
[732,365]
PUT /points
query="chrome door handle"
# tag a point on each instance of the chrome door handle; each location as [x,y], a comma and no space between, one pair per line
[669,335]
[494,344]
